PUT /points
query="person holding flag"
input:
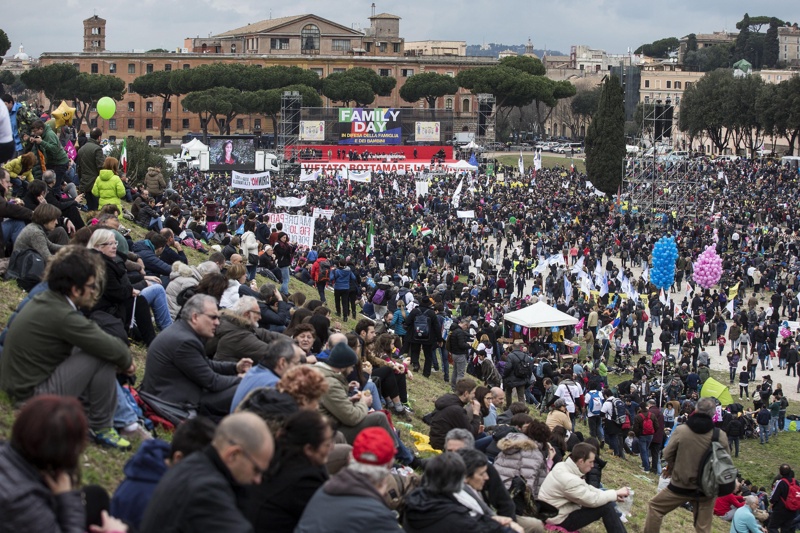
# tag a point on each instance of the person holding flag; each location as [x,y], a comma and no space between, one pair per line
[90,161]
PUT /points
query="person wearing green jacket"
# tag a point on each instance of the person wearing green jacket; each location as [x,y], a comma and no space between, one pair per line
[108,187]
[46,142]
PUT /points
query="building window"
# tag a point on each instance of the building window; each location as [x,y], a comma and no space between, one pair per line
[406,72]
[279,44]
[646,99]
[318,71]
[367,47]
[185,123]
[149,68]
[310,37]
[148,106]
[168,67]
[341,45]
[93,122]
[203,123]
[130,89]
[688,84]
[450,73]
[131,124]
[257,124]
[131,107]
[112,123]
[677,85]
[112,68]
[168,105]
[95,31]
[233,48]
[222,123]
[448,104]
[669,84]
[148,124]
[465,105]
[396,48]
[239,123]
[167,123]
[186,66]
[131,68]
[94,69]
[339,70]
[646,84]
[385,72]
[77,66]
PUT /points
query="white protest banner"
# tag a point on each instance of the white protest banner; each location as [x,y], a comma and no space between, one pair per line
[322,213]
[362,177]
[309,177]
[250,181]
[300,228]
[290,201]
[465,214]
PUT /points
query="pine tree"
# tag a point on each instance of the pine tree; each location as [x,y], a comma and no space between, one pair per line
[605,139]
[771,45]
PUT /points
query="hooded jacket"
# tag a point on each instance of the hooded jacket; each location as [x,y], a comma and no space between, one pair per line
[336,403]
[154,182]
[153,265]
[347,503]
[108,188]
[427,512]
[143,471]
[90,160]
[181,277]
[565,489]
[236,337]
[450,414]
[521,456]
[686,448]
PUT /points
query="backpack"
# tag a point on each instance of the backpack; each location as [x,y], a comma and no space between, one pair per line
[716,475]
[27,267]
[627,423]
[523,369]
[629,321]
[595,403]
[792,500]
[422,328]
[619,414]
[324,270]
[398,486]
[185,294]
[379,297]
[647,425]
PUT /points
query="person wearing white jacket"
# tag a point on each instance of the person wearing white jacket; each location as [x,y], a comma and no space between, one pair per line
[578,503]
[250,248]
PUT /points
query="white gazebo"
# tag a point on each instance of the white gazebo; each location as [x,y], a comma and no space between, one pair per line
[461,166]
[540,315]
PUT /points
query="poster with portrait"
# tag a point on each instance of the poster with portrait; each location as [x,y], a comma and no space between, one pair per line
[312,130]
[229,153]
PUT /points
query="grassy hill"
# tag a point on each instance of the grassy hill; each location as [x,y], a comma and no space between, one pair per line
[758,463]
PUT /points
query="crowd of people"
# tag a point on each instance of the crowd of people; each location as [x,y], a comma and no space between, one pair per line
[279,412]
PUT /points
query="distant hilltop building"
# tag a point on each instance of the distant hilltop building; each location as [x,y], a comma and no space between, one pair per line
[789,45]
[705,40]
[18,63]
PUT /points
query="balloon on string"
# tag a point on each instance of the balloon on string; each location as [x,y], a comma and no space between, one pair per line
[106,107]
[63,115]
[708,268]
[665,255]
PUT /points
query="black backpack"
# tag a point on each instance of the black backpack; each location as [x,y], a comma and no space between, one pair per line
[422,327]
[523,367]
[324,270]
[27,267]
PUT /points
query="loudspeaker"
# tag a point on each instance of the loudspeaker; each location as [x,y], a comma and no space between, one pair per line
[668,110]
[658,111]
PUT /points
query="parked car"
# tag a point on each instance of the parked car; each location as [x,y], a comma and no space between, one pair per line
[154,142]
[567,148]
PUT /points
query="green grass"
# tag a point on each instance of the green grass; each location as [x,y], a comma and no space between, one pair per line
[548,161]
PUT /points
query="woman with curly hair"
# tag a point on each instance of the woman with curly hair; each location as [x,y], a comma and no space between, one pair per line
[305,385]
[525,455]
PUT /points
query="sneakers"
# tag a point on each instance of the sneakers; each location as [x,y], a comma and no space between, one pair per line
[109,438]
[136,433]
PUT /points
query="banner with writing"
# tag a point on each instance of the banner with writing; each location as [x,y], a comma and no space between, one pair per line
[250,181]
[290,201]
[300,228]
[465,214]
[322,213]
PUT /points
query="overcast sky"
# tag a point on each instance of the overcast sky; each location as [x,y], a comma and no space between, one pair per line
[612,25]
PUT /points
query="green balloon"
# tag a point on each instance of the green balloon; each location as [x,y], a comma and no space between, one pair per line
[106,107]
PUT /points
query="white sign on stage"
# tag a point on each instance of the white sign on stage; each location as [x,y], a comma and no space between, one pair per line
[250,181]
[312,130]
[322,213]
[300,228]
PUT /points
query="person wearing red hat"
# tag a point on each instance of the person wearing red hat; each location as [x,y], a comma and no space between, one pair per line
[352,500]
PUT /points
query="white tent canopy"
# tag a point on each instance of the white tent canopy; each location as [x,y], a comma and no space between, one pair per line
[472,146]
[462,165]
[540,315]
[193,148]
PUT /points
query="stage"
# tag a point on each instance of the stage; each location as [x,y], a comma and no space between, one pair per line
[401,167]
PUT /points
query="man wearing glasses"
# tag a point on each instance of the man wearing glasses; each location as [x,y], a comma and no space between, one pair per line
[178,370]
[52,348]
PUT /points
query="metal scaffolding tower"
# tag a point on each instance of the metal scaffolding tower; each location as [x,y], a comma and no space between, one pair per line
[653,182]
[485,128]
[289,127]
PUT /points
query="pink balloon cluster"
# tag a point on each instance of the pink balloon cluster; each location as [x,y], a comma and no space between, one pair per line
[708,268]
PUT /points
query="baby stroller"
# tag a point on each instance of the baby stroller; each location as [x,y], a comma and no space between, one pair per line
[622,361]
[750,427]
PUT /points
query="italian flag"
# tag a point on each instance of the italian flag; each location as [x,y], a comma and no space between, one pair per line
[425,231]
[371,239]
[123,156]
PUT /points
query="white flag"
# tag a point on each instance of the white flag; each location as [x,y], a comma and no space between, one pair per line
[604,285]
[395,186]
[663,298]
[567,290]
[537,160]
[586,286]
[521,164]
[729,307]
[646,274]
[289,201]
[578,266]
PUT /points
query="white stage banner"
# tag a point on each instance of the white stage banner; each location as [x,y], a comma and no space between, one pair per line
[250,181]
[309,177]
[362,177]
[322,213]
[312,130]
[427,132]
[299,228]
[290,201]
[465,214]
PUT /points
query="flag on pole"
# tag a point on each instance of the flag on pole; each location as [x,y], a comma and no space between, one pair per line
[395,186]
[123,156]
[617,320]
[339,243]
[380,193]
[567,290]
[371,238]
[425,231]
[603,287]
[646,274]
[733,292]
[537,160]
[729,307]
[521,164]
[663,298]
[689,290]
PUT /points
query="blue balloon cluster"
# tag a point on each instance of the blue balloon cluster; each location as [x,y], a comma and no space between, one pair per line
[665,254]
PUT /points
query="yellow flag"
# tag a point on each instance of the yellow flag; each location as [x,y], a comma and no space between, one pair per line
[577,221]
[733,291]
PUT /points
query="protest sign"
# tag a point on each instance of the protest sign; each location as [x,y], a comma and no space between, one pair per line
[300,228]
[250,181]
[322,213]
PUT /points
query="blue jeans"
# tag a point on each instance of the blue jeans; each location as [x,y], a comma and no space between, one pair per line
[773,425]
[156,296]
[124,415]
[11,230]
[615,443]
[763,434]
[376,397]
[156,221]
[285,281]
[442,354]
[644,450]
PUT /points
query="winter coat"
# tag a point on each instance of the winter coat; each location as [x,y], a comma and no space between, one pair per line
[14,168]
[521,456]
[565,489]
[54,153]
[28,504]
[34,237]
[197,494]
[178,370]
[90,161]
[435,331]
[249,246]
[143,471]
[336,403]
[185,276]
[153,265]
[154,182]
[450,414]
[687,445]
[595,476]
[346,503]
[283,254]
[426,512]
[459,341]
[510,379]
[236,338]
[109,189]
[341,278]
